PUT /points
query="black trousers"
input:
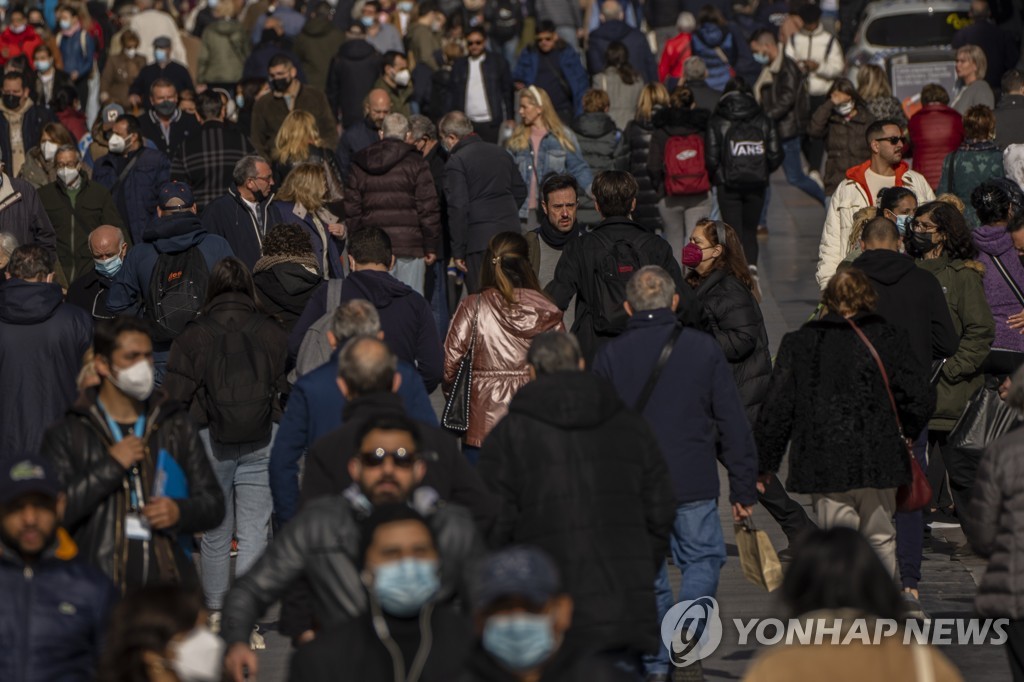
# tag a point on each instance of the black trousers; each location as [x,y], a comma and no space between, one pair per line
[1015,649]
[786,511]
[487,131]
[741,210]
[814,147]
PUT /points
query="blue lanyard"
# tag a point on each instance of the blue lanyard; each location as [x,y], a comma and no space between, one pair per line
[115,430]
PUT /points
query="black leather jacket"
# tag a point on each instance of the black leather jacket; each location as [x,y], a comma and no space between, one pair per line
[785,101]
[321,544]
[97,485]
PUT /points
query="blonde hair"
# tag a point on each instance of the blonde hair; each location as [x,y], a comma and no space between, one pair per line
[953,200]
[653,94]
[520,139]
[872,83]
[306,185]
[976,55]
[299,130]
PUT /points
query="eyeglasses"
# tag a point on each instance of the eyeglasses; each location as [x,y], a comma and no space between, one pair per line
[923,227]
[474,42]
[894,140]
[401,457]
[546,39]
[261,178]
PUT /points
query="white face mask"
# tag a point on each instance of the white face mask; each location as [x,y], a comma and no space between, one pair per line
[49,150]
[402,78]
[67,175]
[116,144]
[131,52]
[199,657]
[136,381]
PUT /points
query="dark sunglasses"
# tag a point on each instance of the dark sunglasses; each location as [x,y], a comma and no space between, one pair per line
[894,140]
[401,457]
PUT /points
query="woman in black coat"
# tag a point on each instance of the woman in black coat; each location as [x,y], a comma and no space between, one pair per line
[827,399]
[653,99]
[287,275]
[729,300]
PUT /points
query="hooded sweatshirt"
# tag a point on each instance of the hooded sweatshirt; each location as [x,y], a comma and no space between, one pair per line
[42,341]
[912,299]
[993,241]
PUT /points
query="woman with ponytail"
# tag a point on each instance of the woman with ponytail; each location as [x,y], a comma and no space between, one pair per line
[507,314]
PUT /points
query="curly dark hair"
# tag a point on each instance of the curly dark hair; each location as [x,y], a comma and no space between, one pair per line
[287,239]
[993,200]
[957,242]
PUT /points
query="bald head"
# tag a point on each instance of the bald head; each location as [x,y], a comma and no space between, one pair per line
[366,366]
[106,241]
[378,105]
[880,233]
[611,10]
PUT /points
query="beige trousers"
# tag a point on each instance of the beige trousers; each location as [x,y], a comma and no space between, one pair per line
[868,510]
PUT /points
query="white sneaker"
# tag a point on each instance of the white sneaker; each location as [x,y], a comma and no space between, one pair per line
[816,177]
[256,640]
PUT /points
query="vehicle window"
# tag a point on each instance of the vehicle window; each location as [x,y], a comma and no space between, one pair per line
[916,30]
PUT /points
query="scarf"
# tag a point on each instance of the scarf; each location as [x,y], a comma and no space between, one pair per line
[552,237]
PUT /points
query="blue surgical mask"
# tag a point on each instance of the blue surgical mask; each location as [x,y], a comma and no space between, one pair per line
[405,6]
[65,24]
[902,222]
[367,21]
[240,101]
[403,587]
[160,54]
[762,58]
[521,641]
[109,267]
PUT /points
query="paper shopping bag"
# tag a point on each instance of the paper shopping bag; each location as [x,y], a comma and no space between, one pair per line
[760,563]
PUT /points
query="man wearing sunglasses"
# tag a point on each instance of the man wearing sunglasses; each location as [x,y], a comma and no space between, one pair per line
[481,86]
[322,543]
[554,66]
[885,168]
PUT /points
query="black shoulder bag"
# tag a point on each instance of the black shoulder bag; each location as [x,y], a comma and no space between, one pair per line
[652,381]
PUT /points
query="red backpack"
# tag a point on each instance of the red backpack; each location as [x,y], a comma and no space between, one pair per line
[685,172]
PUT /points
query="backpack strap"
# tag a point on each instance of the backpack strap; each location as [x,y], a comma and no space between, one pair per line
[1009,280]
[831,42]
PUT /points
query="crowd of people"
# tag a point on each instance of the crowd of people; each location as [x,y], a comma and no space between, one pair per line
[243,244]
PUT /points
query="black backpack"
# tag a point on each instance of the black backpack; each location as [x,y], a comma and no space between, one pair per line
[177,290]
[239,383]
[745,161]
[617,262]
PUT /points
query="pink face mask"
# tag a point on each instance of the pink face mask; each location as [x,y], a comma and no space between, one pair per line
[692,255]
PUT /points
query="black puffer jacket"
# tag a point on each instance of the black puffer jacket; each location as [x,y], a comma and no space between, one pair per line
[580,475]
[390,187]
[732,109]
[732,315]
[669,123]
[97,486]
[828,399]
[638,141]
[186,366]
[602,145]
[785,101]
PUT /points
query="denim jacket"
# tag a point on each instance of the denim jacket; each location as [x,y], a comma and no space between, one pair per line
[553,158]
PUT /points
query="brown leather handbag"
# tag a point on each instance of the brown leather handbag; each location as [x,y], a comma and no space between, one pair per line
[917,494]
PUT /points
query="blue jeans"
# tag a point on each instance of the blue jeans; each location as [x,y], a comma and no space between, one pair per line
[471,453]
[243,474]
[910,528]
[411,271]
[698,550]
[794,171]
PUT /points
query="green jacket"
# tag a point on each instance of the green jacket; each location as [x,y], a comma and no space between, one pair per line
[225,47]
[399,98]
[965,169]
[315,47]
[93,207]
[961,282]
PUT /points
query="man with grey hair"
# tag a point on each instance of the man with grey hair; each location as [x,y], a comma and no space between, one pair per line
[578,474]
[614,29]
[76,205]
[695,74]
[423,136]
[483,189]
[242,216]
[680,381]
[89,292]
[316,404]
[390,187]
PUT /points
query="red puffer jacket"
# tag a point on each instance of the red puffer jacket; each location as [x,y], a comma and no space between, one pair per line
[935,132]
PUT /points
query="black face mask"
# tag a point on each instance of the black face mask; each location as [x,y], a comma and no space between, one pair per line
[918,243]
[280,84]
[12,101]
[165,109]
